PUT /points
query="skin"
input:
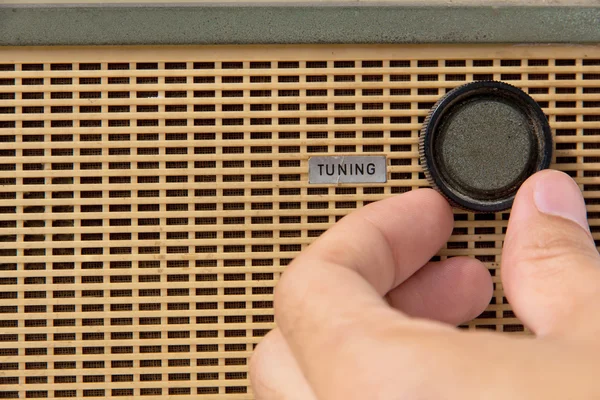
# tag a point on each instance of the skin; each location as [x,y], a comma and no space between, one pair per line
[362,314]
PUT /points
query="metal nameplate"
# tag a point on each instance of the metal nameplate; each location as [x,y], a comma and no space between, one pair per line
[347,169]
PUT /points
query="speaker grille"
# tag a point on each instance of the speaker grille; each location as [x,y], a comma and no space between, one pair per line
[151,197]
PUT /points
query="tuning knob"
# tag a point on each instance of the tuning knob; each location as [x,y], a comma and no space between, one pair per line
[481,141]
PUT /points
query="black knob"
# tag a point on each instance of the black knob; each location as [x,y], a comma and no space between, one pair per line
[481,141]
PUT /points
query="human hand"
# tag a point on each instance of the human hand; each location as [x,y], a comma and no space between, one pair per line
[361,314]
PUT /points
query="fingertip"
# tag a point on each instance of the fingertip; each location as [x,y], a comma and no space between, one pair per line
[470,288]
[263,363]
[453,291]
[443,207]
[260,354]
[549,259]
[477,276]
[546,174]
[551,193]
[557,194]
[274,372]
[548,205]
[426,206]
[427,197]
[435,201]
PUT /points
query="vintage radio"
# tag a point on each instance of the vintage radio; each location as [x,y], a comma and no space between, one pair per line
[154,167]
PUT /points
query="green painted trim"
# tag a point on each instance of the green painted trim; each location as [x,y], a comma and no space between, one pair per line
[294,23]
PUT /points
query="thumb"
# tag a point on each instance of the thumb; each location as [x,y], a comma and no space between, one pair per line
[550,265]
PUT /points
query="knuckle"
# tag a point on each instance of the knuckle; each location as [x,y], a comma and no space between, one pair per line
[555,252]
[262,385]
[285,287]
[293,299]
[286,295]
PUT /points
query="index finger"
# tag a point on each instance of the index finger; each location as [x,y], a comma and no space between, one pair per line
[336,286]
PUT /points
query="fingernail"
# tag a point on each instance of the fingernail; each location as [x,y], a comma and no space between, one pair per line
[557,194]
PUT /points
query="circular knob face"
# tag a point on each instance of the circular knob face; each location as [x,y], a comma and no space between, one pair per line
[481,141]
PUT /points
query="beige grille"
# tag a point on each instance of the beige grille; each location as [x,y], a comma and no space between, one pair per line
[151,197]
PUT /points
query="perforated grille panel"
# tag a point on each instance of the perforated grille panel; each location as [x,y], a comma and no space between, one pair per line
[151,197]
